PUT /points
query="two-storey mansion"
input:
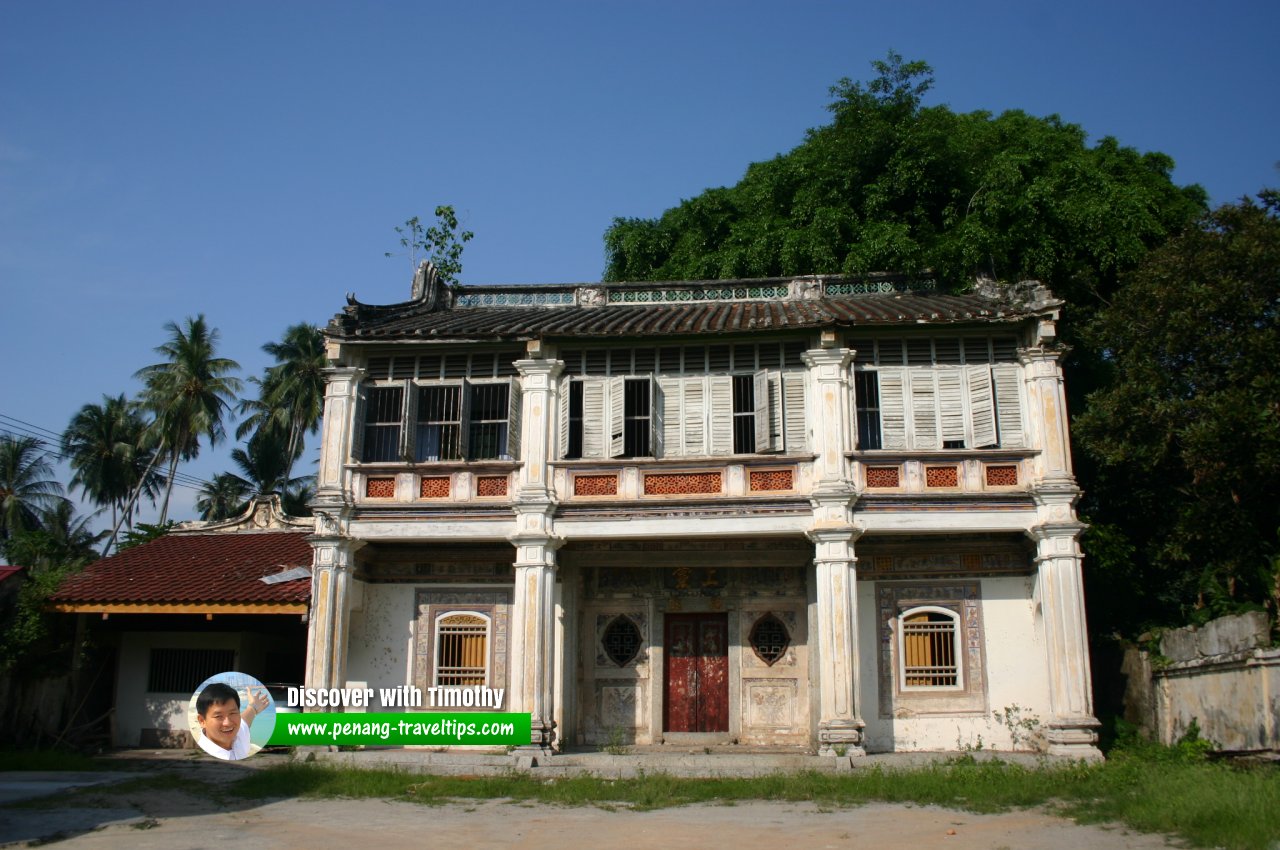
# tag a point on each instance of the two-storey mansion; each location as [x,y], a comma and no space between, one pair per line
[829,513]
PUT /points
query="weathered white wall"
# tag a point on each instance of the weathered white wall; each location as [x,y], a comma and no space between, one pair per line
[380,650]
[1016,676]
[135,708]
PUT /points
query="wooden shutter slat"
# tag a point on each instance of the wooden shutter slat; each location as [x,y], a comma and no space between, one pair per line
[721,415]
[982,411]
[1007,377]
[794,421]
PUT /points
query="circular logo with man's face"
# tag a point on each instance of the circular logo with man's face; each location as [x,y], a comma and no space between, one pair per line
[231,716]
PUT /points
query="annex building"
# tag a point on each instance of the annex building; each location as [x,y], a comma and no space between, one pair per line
[823,513]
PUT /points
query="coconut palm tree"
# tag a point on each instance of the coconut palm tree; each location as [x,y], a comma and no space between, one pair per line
[264,464]
[105,448]
[28,490]
[187,393]
[291,393]
[223,497]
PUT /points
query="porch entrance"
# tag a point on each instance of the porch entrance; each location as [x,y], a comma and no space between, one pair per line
[697,673]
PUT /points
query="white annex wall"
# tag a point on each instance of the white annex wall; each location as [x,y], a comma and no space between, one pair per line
[1016,676]
[380,649]
[135,708]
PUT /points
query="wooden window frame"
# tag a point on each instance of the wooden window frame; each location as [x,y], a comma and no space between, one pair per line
[438,646]
[957,651]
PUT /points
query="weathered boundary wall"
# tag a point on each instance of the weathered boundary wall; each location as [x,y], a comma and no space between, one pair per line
[1224,675]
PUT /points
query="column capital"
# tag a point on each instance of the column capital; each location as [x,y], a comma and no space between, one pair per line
[816,358]
[530,368]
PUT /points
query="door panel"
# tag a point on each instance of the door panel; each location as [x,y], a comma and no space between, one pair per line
[697,673]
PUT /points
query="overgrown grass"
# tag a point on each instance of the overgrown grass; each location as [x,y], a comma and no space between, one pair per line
[1148,789]
[46,760]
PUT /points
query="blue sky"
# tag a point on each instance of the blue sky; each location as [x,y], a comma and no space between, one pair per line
[249,160]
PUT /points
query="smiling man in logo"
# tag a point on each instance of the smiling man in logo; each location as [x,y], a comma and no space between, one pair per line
[225,728]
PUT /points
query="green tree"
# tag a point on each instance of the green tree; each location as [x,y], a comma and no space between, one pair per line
[104,445]
[223,497]
[290,393]
[441,243]
[187,393]
[893,185]
[264,464]
[1186,436]
[28,490]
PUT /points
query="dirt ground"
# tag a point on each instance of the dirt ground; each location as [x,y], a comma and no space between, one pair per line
[179,818]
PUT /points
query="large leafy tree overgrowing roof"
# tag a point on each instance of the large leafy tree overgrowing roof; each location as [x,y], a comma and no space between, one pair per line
[894,185]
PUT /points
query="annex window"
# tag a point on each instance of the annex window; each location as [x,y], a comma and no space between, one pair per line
[929,649]
[181,671]
[622,640]
[462,650]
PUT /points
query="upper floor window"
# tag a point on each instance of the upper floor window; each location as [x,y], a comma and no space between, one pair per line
[459,420]
[946,393]
[683,401]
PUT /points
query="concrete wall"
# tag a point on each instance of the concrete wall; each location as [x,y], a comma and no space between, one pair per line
[381,636]
[162,717]
[1224,675]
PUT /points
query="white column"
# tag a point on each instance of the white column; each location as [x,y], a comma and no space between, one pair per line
[342,384]
[834,632]
[533,628]
[1060,593]
[332,565]
[539,394]
[1048,412]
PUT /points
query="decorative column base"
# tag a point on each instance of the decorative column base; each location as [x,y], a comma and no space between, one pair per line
[1074,738]
[543,738]
[840,738]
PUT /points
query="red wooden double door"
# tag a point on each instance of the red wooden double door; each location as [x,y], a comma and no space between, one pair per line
[697,673]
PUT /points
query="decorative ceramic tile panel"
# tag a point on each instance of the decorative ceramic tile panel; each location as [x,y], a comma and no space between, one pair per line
[1002,476]
[682,483]
[884,476]
[941,476]
[380,488]
[514,299]
[491,485]
[772,479]
[595,485]
[435,487]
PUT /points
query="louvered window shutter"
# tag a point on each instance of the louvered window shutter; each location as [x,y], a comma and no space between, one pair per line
[655,419]
[408,418]
[513,418]
[796,438]
[982,407]
[721,415]
[924,409]
[667,408]
[760,411]
[593,421]
[893,409]
[695,416]
[1007,377]
[562,419]
[775,412]
[951,404]
[617,410]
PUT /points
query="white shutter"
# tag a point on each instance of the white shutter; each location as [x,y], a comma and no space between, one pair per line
[617,410]
[670,422]
[593,421]
[358,425]
[695,416]
[760,402]
[775,412]
[1008,379]
[924,408]
[793,419]
[982,406]
[655,419]
[893,409]
[721,415]
[513,418]
[562,419]
[951,404]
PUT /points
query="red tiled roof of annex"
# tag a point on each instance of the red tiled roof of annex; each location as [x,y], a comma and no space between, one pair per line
[197,568]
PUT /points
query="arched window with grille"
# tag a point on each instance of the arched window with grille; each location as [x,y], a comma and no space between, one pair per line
[929,651]
[462,649]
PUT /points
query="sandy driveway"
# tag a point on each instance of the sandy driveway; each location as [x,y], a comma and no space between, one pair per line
[180,820]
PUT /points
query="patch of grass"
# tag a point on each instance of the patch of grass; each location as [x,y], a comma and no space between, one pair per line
[47,760]
[1152,789]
